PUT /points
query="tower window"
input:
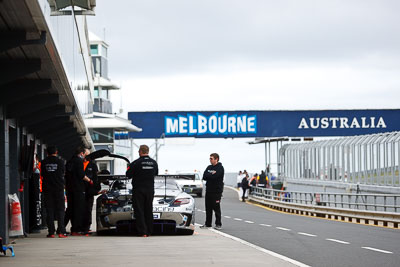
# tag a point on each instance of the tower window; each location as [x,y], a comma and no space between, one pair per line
[94,49]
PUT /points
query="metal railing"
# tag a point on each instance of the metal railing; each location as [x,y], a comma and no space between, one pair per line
[349,201]
[102,105]
[368,159]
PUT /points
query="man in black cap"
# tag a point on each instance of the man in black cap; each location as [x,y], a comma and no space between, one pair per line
[53,191]
[142,172]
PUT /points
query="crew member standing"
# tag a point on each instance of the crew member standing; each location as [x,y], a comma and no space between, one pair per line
[214,175]
[262,182]
[239,179]
[142,172]
[91,189]
[253,183]
[75,178]
[53,190]
[245,186]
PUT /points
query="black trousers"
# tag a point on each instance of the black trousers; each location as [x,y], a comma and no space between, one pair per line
[43,213]
[143,211]
[68,210]
[213,201]
[75,210]
[87,218]
[244,193]
[35,218]
[55,208]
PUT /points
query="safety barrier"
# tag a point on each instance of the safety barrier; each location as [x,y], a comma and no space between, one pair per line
[374,209]
[368,160]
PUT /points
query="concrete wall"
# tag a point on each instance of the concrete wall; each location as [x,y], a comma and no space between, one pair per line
[230,179]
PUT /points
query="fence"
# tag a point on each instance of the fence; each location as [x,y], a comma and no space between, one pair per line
[369,159]
[370,202]
[377,209]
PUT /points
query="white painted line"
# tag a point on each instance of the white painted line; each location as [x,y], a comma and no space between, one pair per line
[269,252]
[199,209]
[237,219]
[265,225]
[235,189]
[306,234]
[249,221]
[337,241]
[378,250]
[283,229]
[203,211]
[228,217]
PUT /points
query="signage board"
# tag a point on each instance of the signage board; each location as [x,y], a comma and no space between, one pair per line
[233,124]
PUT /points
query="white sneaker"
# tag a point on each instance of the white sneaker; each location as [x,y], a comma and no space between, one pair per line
[218,227]
[205,226]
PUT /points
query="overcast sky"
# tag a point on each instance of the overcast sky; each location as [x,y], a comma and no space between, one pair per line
[250,55]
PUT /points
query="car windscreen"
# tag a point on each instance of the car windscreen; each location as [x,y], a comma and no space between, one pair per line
[122,184]
[158,184]
[191,176]
[165,184]
[177,176]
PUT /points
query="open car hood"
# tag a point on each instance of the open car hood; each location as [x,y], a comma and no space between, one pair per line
[104,153]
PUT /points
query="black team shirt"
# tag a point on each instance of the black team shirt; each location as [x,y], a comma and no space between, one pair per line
[142,172]
[215,182]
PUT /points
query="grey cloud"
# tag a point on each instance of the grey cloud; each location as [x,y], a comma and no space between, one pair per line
[156,36]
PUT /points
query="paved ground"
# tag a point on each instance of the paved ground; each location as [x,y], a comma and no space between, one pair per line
[204,248]
[310,240]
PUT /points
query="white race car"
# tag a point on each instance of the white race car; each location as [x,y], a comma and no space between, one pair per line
[173,209]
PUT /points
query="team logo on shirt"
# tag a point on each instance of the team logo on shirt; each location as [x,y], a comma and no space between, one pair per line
[51,167]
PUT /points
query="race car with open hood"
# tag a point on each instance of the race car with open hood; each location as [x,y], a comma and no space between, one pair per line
[173,209]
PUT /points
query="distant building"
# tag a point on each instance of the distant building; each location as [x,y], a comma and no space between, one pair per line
[103,125]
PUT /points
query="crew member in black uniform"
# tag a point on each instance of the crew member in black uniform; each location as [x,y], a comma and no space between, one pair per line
[214,175]
[142,172]
[91,189]
[53,190]
[75,178]
[245,186]
[262,182]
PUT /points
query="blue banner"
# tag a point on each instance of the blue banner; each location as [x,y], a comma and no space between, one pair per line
[230,124]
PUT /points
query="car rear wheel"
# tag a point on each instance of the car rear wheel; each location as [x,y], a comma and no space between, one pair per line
[185,232]
[105,232]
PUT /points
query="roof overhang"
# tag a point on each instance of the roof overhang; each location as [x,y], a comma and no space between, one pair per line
[104,83]
[87,7]
[268,140]
[99,120]
[94,39]
[279,139]
[34,88]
